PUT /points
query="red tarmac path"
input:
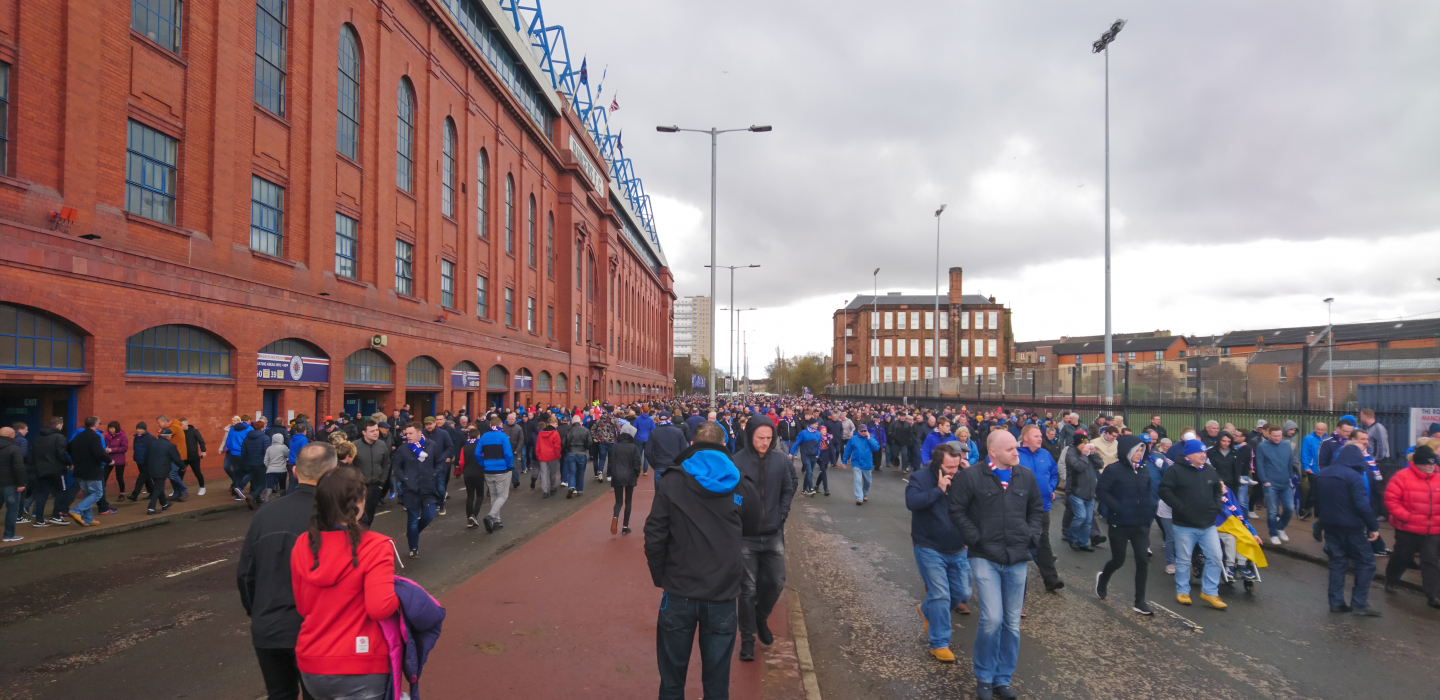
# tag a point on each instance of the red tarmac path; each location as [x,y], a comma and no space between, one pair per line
[571,614]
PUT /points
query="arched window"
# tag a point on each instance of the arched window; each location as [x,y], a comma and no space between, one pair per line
[347,95]
[542,381]
[560,382]
[497,378]
[183,350]
[291,347]
[366,366]
[464,375]
[405,137]
[422,371]
[482,193]
[509,213]
[530,233]
[32,340]
[550,245]
[447,170]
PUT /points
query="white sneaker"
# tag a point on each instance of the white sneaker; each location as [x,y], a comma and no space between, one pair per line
[1284,537]
[202,491]
[16,538]
[1275,540]
[1253,515]
[599,478]
[564,485]
[609,478]
[1170,569]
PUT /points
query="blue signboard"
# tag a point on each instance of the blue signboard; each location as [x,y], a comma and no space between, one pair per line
[293,368]
[524,382]
[697,381]
[464,380]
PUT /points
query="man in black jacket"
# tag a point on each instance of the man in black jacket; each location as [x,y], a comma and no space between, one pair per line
[1124,490]
[372,458]
[12,480]
[1193,491]
[763,548]
[666,443]
[88,453]
[692,545]
[263,574]
[997,506]
[161,457]
[445,452]
[51,463]
[194,450]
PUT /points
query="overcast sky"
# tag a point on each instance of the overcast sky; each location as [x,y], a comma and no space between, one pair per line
[1264,156]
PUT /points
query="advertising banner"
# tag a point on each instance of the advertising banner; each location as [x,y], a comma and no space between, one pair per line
[1420,421]
[524,382]
[464,380]
[293,368]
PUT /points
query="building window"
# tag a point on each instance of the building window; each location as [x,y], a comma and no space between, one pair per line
[889,347]
[929,372]
[1042,359]
[1283,374]
[1129,355]
[589,332]
[889,320]
[889,374]
[994,375]
[915,320]
[1224,352]
[964,347]
[405,137]
[990,348]
[482,193]
[874,319]
[944,346]
[447,284]
[929,347]
[347,95]
[914,347]
[29,340]
[964,320]
[874,374]
[267,217]
[874,347]
[550,245]
[366,366]
[994,320]
[590,293]
[482,296]
[944,371]
[542,381]
[914,373]
[509,214]
[929,320]
[159,20]
[447,170]
[404,268]
[422,371]
[944,326]
[150,173]
[183,350]
[550,322]
[509,307]
[577,328]
[1159,355]
[560,382]
[345,247]
[900,321]
[530,231]
[579,258]
[4,119]
[270,19]
[530,314]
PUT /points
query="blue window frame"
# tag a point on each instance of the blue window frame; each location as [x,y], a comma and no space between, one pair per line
[291,347]
[447,284]
[486,35]
[447,170]
[347,95]
[178,350]
[482,193]
[405,137]
[346,251]
[159,20]
[422,371]
[150,173]
[271,17]
[365,366]
[404,268]
[267,217]
[30,340]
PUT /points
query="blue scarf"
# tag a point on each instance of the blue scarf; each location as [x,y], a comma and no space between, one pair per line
[416,448]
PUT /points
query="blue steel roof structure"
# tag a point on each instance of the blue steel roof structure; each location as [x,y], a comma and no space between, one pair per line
[553,54]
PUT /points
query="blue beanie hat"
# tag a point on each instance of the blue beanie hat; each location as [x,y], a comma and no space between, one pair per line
[1348,417]
[1193,447]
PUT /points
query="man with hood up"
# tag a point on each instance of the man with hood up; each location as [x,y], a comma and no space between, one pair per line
[693,540]
[1342,505]
[1125,490]
[763,548]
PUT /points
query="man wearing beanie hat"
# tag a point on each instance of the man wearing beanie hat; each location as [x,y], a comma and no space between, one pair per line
[1413,499]
[1193,492]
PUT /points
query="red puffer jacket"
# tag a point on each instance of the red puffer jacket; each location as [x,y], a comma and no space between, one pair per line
[547,445]
[1413,499]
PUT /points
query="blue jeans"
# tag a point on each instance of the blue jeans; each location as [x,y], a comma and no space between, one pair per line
[10,499]
[441,481]
[644,462]
[94,490]
[604,450]
[675,630]
[177,480]
[1001,590]
[415,522]
[1167,526]
[862,483]
[1242,496]
[947,584]
[808,464]
[1209,540]
[1344,546]
[912,458]
[1278,510]
[1083,511]
[572,470]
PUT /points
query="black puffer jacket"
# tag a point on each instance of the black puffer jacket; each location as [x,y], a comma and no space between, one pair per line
[12,463]
[624,461]
[1228,466]
[1125,489]
[1193,495]
[263,575]
[1081,473]
[87,452]
[692,535]
[774,480]
[48,453]
[999,524]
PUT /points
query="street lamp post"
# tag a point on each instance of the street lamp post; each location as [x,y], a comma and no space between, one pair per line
[734,335]
[1103,46]
[714,133]
[935,371]
[731,348]
[1330,349]
[874,332]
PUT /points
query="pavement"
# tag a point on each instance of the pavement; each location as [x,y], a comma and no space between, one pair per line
[854,571]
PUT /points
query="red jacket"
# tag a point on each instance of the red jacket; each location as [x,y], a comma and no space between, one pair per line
[547,446]
[342,604]
[1413,499]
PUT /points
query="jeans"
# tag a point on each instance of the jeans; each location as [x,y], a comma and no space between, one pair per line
[862,483]
[675,628]
[1209,540]
[1167,526]
[10,499]
[912,458]
[517,466]
[281,673]
[474,495]
[645,462]
[604,448]
[177,481]
[94,490]
[892,454]
[415,522]
[947,584]
[808,464]
[1346,546]
[275,482]
[239,475]
[1084,511]
[1001,590]
[1137,537]
[442,480]
[624,496]
[1242,496]
[764,559]
[1277,507]
[572,470]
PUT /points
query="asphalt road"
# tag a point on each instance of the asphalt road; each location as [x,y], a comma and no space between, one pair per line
[154,613]
[855,571]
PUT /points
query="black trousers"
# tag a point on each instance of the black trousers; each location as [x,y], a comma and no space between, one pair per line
[1044,556]
[474,495]
[157,492]
[374,494]
[193,462]
[282,675]
[675,631]
[1137,537]
[623,496]
[1407,544]
[764,579]
[119,471]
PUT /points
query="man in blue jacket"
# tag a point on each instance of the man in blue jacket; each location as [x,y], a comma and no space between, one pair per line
[239,426]
[1309,467]
[859,453]
[1272,465]
[807,445]
[252,460]
[1343,506]
[643,425]
[940,434]
[1034,457]
[939,548]
[494,452]
[415,467]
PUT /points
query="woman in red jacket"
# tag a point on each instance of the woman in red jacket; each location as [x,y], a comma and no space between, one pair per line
[547,452]
[1413,499]
[344,584]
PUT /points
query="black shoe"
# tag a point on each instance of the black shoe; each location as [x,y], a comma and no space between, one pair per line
[1390,587]
[984,690]
[489,523]
[1142,608]
[1433,602]
[1339,608]
[515,485]
[762,630]
[1084,549]
[532,483]
[1102,587]
[1004,691]
[747,650]
[1365,611]
[1098,539]
[1384,552]
[250,502]
[164,506]
[499,525]
[1055,586]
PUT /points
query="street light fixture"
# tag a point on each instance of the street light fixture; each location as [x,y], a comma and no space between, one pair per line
[1103,46]
[714,133]
[1330,361]
[935,372]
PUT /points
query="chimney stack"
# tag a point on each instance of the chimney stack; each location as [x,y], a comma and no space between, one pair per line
[956,276]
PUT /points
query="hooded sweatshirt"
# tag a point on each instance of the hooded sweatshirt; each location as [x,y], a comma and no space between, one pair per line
[342,604]
[1342,499]
[693,533]
[277,456]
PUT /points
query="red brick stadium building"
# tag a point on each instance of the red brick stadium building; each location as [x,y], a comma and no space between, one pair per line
[287,208]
